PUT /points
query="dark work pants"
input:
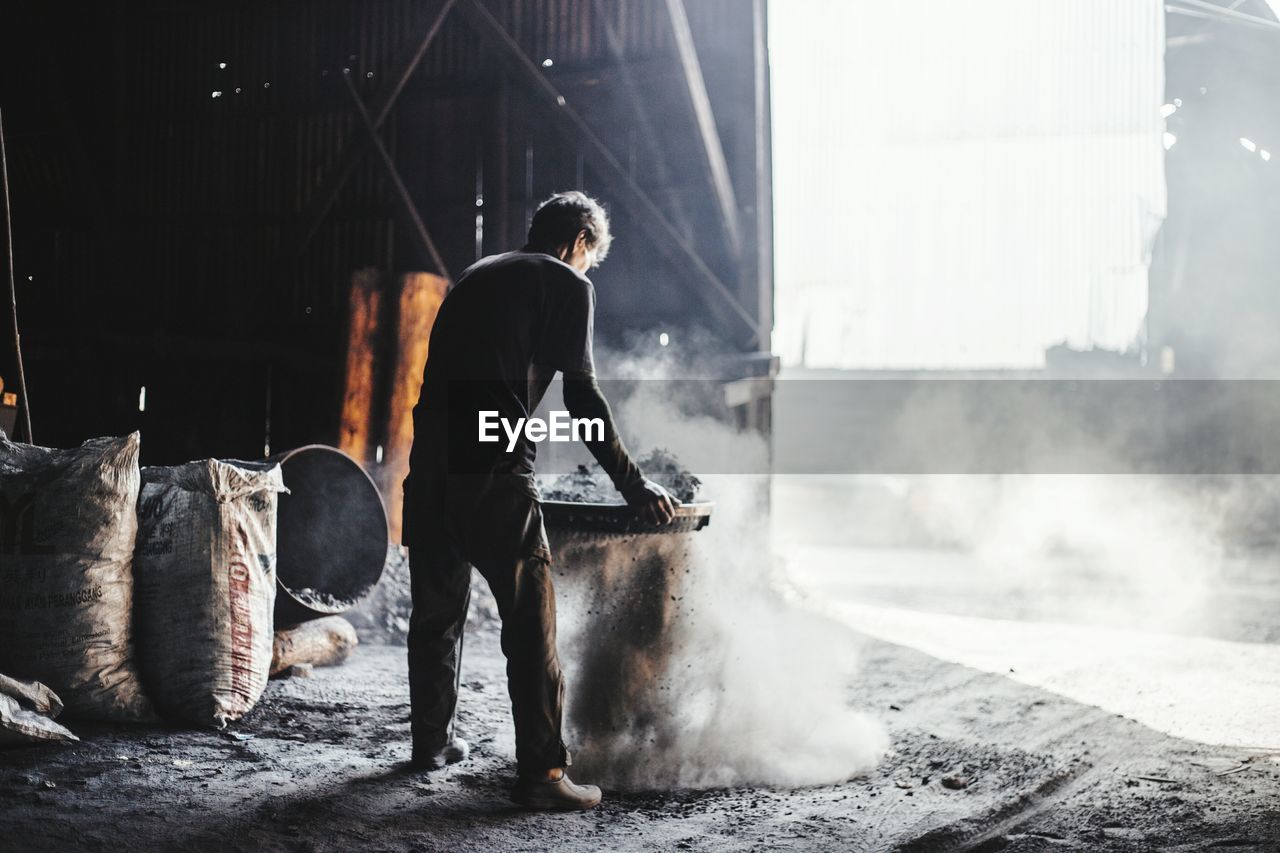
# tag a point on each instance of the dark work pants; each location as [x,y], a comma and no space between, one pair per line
[502,536]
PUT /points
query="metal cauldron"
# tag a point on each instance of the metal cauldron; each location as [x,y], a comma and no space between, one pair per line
[622,581]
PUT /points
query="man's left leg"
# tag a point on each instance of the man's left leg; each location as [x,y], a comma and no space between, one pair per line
[440,581]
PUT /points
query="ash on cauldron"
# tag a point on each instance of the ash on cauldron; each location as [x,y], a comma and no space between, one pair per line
[590,485]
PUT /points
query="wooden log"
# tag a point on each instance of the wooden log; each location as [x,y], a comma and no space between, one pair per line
[354,433]
[420,296]
[320,642]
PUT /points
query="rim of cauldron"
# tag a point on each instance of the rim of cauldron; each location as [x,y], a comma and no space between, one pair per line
[620,518]
[308,605]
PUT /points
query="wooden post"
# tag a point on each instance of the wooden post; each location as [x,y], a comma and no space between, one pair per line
[354,436]
[420,296]
[23,431]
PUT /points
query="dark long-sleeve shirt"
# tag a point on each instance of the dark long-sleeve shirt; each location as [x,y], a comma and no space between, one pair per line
[509,323]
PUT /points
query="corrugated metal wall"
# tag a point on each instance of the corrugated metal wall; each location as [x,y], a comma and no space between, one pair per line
[162,153]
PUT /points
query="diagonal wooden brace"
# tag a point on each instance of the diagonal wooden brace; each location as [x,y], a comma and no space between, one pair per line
[407,206]
[321,202]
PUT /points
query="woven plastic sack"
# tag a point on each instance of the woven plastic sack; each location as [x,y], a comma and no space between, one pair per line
[67,526]
[206,586]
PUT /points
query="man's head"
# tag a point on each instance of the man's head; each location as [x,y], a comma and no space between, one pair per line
[573,227]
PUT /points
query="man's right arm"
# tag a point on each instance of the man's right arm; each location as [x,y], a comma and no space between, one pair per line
[584,399]
[567,347]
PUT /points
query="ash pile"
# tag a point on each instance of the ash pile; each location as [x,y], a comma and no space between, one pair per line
[590,485]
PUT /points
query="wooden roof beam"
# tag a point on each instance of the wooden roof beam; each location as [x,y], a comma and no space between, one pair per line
[1212,11]
[715,167]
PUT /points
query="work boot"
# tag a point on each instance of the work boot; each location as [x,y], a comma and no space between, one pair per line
[451,753]
[560,794]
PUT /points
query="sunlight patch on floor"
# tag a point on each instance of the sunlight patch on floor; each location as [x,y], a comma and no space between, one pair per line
[1207,690]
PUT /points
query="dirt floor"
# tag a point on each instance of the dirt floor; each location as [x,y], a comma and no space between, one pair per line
[980,762]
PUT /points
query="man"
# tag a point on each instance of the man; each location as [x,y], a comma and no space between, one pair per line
[509,323]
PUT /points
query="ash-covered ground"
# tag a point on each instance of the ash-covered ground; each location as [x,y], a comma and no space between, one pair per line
[981,757]
[978,762]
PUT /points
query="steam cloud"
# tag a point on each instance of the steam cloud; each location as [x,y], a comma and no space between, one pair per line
[744,686]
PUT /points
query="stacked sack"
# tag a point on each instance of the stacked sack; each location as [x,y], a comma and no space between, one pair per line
[195,598]
[205,576]
[68,521]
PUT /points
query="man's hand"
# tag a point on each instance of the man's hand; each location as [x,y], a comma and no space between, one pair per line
[651,502]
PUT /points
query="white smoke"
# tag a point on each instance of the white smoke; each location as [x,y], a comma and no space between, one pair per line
[756,686]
